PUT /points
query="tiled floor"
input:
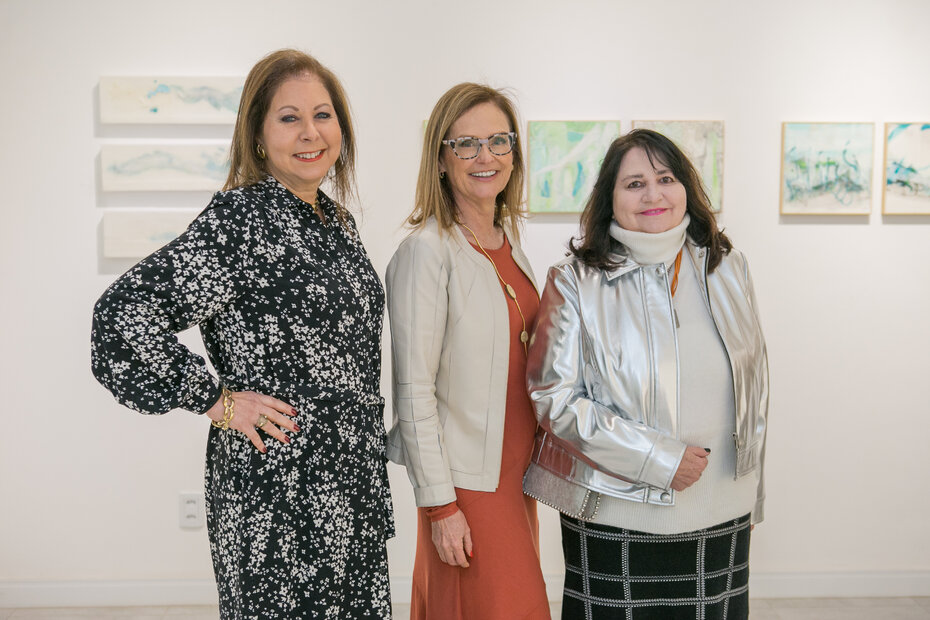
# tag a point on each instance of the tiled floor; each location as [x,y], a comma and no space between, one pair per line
[762,609]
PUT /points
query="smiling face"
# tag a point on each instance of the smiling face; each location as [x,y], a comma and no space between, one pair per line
[477,182]
[301,135]
[646,198]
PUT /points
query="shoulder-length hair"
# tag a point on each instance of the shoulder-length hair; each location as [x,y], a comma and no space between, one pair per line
[594,244]
[263,81]
[434,194]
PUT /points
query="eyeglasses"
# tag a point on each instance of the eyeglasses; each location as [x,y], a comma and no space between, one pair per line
[468,147]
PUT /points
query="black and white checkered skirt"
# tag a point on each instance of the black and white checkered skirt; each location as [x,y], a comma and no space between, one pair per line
[613,573]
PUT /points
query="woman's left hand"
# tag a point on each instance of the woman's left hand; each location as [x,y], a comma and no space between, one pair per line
[452,538]
[253,411]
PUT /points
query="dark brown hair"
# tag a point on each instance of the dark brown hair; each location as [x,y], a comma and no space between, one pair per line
[434,195]
[594,245]
[263,81]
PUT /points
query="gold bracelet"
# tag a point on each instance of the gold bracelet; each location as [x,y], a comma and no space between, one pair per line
[229,410]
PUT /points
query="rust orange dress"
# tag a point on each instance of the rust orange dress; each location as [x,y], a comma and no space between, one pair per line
[504,580]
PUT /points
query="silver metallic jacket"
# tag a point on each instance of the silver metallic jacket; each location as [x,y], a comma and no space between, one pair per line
[603,376]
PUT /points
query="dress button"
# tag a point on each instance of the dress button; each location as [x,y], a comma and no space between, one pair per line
[660,271]
[665,496]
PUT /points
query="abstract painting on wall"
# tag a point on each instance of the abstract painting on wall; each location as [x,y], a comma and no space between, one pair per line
[138,233]
[182,100]
[564,160]
[826,168]
[702,142]
[907,169]
[163,167]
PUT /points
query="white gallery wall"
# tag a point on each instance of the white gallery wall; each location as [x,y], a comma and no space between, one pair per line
[89,490]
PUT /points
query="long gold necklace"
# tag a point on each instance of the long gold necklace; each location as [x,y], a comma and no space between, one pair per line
[524,336]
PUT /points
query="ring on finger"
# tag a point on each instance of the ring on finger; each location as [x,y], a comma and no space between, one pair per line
[261,421]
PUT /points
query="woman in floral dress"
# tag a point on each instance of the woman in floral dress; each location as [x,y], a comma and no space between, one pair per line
[290,309]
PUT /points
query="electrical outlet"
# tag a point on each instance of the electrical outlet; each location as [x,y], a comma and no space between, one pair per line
[191,513]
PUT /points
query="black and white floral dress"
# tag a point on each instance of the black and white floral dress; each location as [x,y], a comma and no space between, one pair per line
[289,307]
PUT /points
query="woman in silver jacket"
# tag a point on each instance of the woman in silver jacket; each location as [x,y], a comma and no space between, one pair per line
[648,372]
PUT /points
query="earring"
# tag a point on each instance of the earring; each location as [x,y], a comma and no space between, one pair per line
[261,151]
[442,174]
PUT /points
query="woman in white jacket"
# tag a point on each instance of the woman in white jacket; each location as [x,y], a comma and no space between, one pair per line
[461,300]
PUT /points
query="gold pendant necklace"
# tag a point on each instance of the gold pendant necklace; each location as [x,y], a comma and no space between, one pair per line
[524,336]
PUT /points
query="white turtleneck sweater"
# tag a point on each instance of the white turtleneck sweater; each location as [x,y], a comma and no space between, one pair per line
[707,417]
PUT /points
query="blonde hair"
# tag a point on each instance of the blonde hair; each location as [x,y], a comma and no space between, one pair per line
[434,195]
[263,81]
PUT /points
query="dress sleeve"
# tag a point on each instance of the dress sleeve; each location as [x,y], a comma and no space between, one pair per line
[417,283]
[603,438]
[135,353]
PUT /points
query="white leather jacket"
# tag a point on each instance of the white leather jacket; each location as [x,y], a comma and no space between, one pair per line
[603,376]
[450,346]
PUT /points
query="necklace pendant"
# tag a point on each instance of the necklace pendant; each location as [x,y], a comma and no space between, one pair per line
[524,337]
[511,292]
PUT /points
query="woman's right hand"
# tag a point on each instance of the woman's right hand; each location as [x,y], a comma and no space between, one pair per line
[248,410]
[452,538]
[690,469]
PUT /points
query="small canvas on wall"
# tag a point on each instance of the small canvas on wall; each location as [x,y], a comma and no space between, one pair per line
[564,159]
[907,169]
[181,100]
[161,167]
[138,233]
[826,168]
[702,142]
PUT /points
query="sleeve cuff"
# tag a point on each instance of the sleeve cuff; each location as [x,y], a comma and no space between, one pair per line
[437,495]
[662,463]
[758,512]
[438,513]
[202,404]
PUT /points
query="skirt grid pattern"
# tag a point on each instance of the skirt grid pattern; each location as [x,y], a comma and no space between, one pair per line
[614,573]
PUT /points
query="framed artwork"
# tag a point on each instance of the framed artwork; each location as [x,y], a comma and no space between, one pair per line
[138,233]
[826,168]
[702,142]
[907,169]
[180,100]
[564,159]
[163,167]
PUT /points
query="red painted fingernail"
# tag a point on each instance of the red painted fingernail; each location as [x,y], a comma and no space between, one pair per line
[287,439]
[264,450]
[296,429]
[293,411]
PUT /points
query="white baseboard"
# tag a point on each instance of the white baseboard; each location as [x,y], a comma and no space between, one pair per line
[106,593]
[203,592]
[839,585]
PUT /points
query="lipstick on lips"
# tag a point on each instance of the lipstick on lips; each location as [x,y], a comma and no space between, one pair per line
[654,212]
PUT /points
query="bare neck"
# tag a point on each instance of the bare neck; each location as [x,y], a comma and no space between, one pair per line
[480,223]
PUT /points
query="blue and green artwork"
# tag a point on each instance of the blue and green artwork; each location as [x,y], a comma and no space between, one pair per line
[826,168]
[175,100]
[163,167]
[907,168]
[564,160]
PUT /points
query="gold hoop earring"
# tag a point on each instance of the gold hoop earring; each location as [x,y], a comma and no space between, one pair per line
[260,150]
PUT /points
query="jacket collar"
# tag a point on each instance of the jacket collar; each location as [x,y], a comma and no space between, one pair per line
[625,263]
